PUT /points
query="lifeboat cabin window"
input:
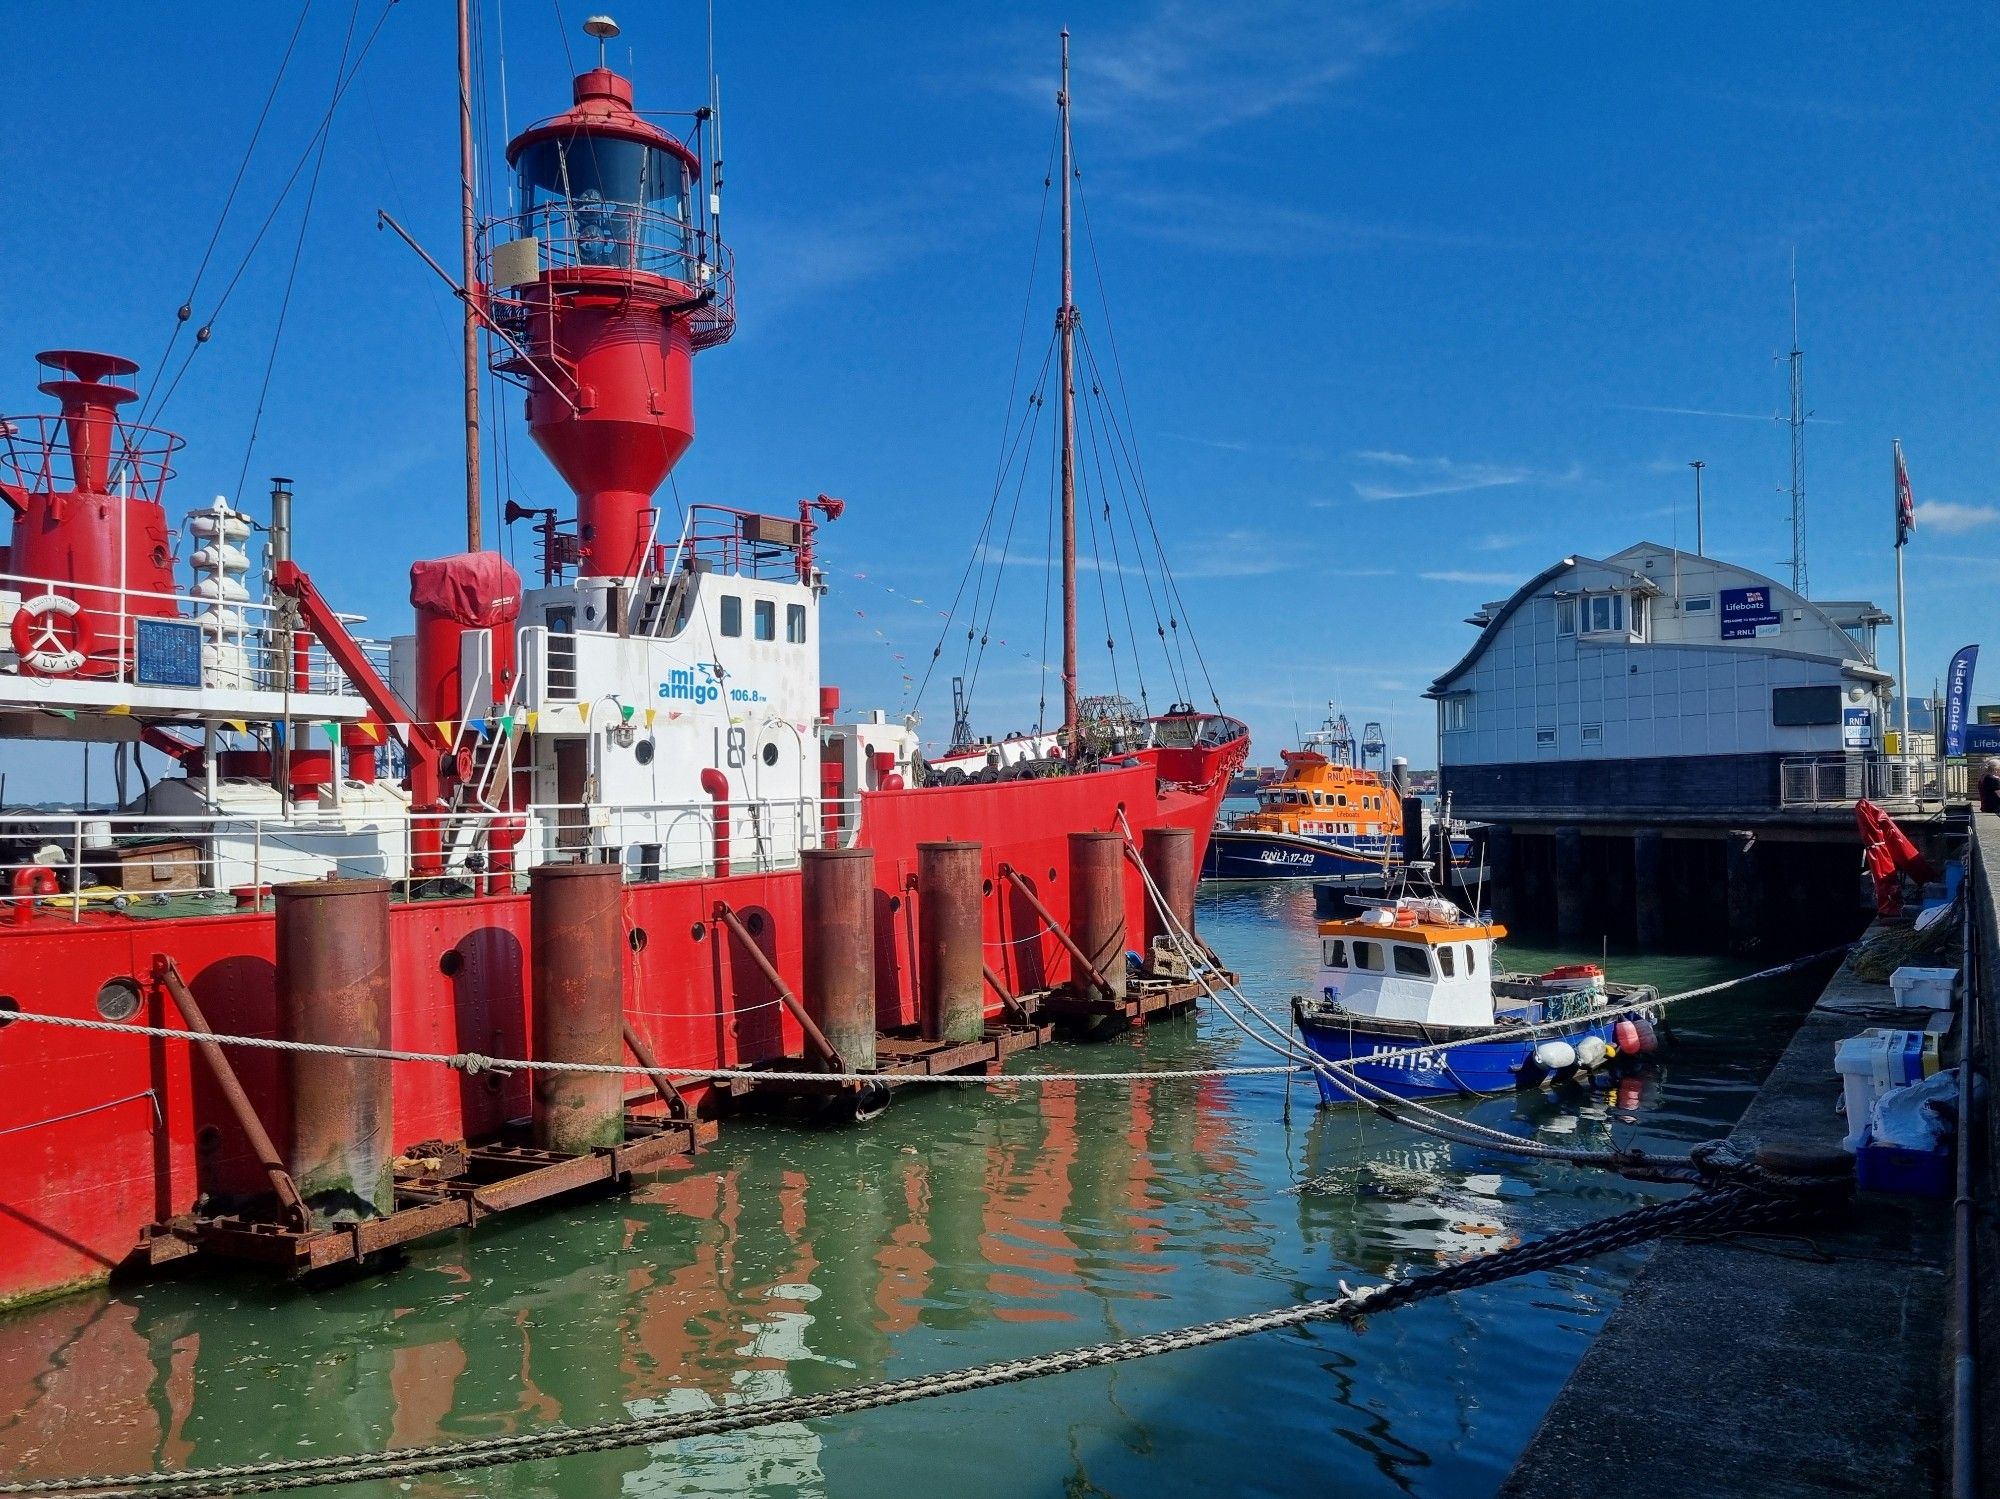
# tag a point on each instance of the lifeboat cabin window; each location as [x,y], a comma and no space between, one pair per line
[1368,955]
[596,201]
[1412,962]
[767,619]
[1444,961]
[795,623]
[1334,952]
[732,614]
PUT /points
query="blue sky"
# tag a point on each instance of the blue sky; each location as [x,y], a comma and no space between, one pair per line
[1411,299]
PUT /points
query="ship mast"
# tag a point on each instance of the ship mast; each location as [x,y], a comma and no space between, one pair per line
[468,239]
[1066,320]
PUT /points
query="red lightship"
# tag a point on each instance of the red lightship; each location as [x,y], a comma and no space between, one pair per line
[607,817]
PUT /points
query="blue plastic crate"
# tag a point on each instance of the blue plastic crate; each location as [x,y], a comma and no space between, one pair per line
[1907,1173]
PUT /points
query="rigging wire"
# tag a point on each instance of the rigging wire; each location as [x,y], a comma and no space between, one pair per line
[298,251]
[1089,509]
[1117,554]
[186,310]
[207,328]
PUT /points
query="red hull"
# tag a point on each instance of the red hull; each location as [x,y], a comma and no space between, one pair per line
[111,1133]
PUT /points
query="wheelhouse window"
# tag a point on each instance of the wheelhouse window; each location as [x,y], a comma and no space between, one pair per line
[1333,952]
[1444,962]
[795,623]
[767,619]
[1412,962]
[732,614]
[1368,955]
[1471,959]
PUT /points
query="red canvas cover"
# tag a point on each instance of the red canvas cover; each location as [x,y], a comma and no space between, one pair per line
[477,589]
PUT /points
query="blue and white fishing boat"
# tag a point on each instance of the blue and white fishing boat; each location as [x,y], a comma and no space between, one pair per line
[1416,971]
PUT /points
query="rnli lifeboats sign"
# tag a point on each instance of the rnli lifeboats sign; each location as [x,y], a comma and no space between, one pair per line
[1748,613]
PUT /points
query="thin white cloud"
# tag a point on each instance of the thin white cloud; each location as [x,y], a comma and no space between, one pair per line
[1422,478]
[1465,577]
[1734,416]
[1949,519]
[1189,70]
[1497,543]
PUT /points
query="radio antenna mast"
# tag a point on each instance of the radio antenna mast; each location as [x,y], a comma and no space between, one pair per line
[1798,426]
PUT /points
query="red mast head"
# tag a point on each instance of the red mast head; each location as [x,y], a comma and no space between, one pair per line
[607,280]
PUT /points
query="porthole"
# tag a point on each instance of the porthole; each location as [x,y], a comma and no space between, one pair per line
[895,903]
[754,923]
[698,931]
[643,752]
[985,887]
[636,939]
[207,1140]
[118,1000]
[451,963]
[1052,876]
[771,754]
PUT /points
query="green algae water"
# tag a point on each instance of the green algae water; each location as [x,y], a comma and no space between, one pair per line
[964,1225]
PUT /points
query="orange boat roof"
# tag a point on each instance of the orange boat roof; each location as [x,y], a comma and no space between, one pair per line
[1432,933]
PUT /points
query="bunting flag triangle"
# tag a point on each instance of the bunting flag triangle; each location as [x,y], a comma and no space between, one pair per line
[533,718]
[443,726]
[626,710]
[69,713]
[237,724]
[119,708]
[332,732]
[650,714]
[507,724]
[477,726]
[372,730]
[583,711]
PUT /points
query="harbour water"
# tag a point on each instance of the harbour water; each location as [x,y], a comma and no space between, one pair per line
[965,1225]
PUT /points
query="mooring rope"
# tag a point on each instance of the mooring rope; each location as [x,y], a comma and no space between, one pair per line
[1733,1207]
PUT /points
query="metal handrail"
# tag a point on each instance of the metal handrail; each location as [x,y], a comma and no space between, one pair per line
[270,849]
[137,457]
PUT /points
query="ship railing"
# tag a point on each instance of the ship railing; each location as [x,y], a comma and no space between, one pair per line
[138,460]
[574,241]
[221,644]
[1833,780]
[217,863]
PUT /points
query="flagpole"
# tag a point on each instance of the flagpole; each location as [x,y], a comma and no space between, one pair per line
[1902,623]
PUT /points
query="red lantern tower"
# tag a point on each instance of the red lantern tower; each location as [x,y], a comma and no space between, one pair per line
[605,283]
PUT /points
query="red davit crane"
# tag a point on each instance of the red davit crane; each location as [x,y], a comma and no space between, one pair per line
[606,284]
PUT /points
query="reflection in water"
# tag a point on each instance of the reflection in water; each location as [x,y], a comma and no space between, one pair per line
[961,1227]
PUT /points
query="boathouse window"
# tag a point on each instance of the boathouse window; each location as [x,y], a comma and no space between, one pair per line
[732,614]
[795,623]
[1639,613]
[1335,953]
[1805,707]
[767,619]
[1605,613]
[1593,733]
[1368,955]
[1412,962]
[1457,712]
[1444,961]
[1565,616]
[1545,738]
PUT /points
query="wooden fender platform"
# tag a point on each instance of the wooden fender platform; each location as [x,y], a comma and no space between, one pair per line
[441,1187]
[1146,1000]
[899,1053]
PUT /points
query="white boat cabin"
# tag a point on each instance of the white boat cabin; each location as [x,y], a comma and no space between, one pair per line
[1420,961]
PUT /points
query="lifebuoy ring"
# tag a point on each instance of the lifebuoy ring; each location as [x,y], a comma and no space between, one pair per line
[52,635]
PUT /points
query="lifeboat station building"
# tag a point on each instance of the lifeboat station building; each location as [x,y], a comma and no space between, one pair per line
[1656,738]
